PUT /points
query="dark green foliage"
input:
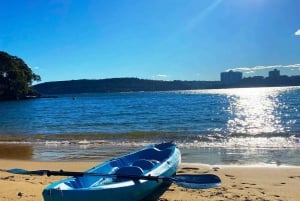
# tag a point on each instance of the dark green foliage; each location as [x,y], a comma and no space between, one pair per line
[119,85]
[15,78]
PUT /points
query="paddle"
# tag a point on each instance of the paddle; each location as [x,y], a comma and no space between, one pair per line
[201,181]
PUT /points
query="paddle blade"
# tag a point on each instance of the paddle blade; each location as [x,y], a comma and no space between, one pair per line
[22,171]
[202,181]
[17,171]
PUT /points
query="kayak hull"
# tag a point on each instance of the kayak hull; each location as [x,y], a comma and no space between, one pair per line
[164,159]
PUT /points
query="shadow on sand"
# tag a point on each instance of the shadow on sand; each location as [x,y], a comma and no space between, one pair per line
[155,195]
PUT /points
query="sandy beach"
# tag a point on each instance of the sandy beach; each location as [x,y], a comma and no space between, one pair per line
[238,183]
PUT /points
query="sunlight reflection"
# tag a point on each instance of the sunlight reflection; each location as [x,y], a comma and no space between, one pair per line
[254,111]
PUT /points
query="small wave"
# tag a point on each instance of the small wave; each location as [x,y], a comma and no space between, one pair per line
[209,149]
[139,139]
[246,143]
[256,165]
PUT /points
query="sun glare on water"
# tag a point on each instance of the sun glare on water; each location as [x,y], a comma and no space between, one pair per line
[253,111]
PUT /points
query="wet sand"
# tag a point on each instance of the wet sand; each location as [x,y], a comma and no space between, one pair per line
[16,151]
[238,183]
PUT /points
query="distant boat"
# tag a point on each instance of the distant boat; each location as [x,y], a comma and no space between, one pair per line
[155,160]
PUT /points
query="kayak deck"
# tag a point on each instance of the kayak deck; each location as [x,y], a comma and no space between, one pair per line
[139,163]
[105,182]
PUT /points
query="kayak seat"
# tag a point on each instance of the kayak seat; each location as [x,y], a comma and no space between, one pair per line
[129,170]
[144,164]
[154,154]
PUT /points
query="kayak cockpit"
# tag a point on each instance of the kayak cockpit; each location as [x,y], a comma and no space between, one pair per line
[139,163]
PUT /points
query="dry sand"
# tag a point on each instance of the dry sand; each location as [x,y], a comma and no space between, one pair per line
[238,183]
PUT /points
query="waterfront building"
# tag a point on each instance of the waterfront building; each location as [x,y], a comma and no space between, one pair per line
[274,73]
[231,77]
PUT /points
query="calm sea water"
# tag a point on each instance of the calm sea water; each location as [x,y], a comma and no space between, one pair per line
[225,126]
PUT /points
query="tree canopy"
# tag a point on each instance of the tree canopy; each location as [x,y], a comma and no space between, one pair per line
[15,78]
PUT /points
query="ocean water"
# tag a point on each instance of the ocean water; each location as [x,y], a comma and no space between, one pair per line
[224,126]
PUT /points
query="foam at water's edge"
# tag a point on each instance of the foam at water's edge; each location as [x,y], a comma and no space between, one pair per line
[207,142]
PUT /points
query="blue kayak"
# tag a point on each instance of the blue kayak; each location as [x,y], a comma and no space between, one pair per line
[97,185]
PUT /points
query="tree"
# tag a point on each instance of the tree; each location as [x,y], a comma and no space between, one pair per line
[15,78]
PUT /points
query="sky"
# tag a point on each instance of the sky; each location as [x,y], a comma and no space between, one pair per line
[152,39]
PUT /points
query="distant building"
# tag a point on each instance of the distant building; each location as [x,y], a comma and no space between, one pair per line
[231,77]
[274,74]
[258,77]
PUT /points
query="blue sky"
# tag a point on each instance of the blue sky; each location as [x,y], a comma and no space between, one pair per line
[152,39]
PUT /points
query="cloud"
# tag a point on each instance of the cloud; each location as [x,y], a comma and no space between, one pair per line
[297,33]
[160,76]
[255,68]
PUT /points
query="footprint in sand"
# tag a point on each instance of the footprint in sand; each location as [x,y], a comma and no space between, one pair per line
[7,178]
[170,189]
[293,177]
[181,172]
[230,176]
[163,199]
[236,196]
[248,184]
[223,189]
[20,194]
[216,168]
[190,168]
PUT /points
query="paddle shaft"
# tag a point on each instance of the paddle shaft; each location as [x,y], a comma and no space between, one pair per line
[201,181]
[80,174]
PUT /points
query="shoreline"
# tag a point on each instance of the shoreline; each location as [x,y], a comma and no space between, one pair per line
[238,182]
[88,150]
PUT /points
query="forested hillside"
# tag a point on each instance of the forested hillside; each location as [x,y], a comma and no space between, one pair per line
[119,85]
